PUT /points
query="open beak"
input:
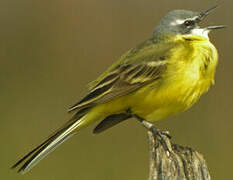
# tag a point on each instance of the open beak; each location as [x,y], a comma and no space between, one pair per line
[215,27]
[206,13]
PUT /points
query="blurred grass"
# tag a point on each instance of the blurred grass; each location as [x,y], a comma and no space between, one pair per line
[51,50]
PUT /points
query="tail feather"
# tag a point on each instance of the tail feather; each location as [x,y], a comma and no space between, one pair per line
[31,152]
[27,155]
[37,154]
[41,153]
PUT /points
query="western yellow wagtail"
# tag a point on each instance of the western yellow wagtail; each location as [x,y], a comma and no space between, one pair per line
[164,75]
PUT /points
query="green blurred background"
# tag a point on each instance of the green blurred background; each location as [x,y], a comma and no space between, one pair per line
[50,50]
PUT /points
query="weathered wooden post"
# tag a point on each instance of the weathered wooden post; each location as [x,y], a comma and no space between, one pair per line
[181,163]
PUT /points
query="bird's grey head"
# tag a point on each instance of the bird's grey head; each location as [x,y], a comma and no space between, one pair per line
[184,22]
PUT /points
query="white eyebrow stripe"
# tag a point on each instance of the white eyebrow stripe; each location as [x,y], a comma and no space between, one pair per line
[178,21]
[181,21]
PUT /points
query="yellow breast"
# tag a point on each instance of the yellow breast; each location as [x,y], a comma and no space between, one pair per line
[189,74]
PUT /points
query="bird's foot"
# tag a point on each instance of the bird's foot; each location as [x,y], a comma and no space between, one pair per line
[160,134]
[155,131]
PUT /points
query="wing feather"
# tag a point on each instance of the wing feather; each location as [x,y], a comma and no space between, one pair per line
[136,68]
[121,81]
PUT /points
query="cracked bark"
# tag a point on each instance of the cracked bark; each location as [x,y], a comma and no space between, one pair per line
[182,163]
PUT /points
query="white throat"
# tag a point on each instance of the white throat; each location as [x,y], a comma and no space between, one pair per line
[201,32]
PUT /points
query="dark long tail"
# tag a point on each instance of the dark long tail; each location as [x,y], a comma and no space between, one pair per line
[56,139]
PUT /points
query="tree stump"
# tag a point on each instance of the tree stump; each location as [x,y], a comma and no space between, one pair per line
[181,163]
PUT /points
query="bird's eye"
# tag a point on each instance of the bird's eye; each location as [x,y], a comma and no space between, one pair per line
[189,23]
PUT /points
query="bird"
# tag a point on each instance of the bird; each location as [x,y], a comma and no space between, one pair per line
[164,75]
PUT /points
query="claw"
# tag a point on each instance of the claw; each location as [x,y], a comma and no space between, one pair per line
[166,133]
[161,138]
[155,131]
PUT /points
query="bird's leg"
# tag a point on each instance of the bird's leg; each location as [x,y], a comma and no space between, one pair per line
[155,131]
[151,127]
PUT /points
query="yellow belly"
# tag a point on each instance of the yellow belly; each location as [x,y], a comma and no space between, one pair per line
[187,77]
[169,98]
